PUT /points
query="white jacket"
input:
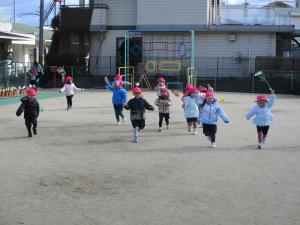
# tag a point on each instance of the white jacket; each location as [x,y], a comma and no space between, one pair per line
[69,89]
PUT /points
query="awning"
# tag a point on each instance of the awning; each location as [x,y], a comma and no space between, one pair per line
[15,36]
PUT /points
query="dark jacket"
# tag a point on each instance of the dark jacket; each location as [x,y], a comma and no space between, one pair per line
[31,109]
[137,108]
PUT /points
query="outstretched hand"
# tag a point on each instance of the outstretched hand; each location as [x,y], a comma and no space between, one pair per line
[272,91]
[106,80]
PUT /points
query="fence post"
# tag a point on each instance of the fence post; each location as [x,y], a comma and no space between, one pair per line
[292,80]
[217,74]
[252,82]
[110,65]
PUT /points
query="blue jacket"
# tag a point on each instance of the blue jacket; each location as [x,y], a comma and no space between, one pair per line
[119,95]
[263,116]
[210,113]
[190,107]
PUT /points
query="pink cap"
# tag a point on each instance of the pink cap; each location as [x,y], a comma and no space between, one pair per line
[202,89]
[189,86]
[137,90]
[261,98]
[161,79]
[209,95]
[68,78]
[31,92]
[118,77]
[192,90]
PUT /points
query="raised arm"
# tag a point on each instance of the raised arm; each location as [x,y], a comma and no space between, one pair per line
[272,99]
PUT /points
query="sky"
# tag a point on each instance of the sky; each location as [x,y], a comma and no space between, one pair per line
[32,6]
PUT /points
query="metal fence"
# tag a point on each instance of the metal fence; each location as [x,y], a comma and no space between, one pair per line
[225,74]
[13,74]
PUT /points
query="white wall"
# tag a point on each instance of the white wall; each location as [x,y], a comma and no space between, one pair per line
[168,12]
[120,12]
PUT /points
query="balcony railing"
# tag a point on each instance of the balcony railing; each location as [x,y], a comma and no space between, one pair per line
[253,16]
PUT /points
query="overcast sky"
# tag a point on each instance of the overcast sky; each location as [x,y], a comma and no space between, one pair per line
[32,6]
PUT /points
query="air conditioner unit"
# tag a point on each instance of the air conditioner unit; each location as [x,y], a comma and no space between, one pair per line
[232,37]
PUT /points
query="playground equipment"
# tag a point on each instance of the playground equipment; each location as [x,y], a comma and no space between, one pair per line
[168,52]
[127,74]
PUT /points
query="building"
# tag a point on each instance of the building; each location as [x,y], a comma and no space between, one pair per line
[161,41]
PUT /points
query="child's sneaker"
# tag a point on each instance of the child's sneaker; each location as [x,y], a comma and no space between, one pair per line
[118,123]
[29,134]
[68,107]
[189,129]
[264,141]
[124,119]
[259,146]
[135,140]
[34,131]
[168,126]
[195,131]
[213,145]
[160,129]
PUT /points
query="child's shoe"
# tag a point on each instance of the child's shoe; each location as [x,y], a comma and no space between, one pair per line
[259,146]
[160,129]
[29,134]
[68,107]
[263,141]
[189,129]
[213,145]
[168,126]
[118,123]
[135,140]
[195,131]
[34,131]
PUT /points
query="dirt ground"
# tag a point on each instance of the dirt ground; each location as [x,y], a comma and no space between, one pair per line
[81,169]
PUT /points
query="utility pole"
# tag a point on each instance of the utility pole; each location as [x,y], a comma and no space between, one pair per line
[41,33]
[14,11]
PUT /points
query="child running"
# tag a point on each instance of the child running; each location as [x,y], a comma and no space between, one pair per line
[164,102]
[69,89]
[31,108]
[191,110]
[137,106]
[210,112]
[263,116]
[161,84]
[119,98]
[200,96]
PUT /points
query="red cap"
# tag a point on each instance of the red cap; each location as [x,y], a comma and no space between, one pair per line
[261,98]
[209,95]
[189,86]
[137,90]
[68,78]
[161,79]
[31,92]
[192,90]
[118,77]
[202,89]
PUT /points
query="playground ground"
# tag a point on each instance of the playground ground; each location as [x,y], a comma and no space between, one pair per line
[81,169]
